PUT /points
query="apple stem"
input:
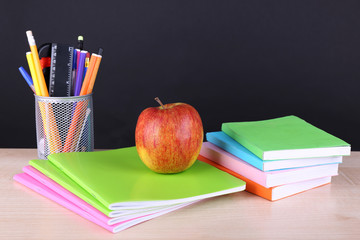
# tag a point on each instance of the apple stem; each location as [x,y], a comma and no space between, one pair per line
[158,100]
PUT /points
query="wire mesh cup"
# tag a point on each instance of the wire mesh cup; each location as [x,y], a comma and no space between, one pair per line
[64,124]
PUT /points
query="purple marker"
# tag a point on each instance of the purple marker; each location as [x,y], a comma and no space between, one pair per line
[79,73]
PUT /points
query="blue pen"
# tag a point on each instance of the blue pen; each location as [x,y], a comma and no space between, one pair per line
[27,78]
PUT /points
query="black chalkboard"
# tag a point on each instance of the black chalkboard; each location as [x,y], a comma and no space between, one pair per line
[232,60]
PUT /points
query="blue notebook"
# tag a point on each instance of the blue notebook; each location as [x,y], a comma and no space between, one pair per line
[222,140]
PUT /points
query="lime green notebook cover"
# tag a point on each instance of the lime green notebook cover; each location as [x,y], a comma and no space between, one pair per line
[51,171]
[284,134]
[119,180]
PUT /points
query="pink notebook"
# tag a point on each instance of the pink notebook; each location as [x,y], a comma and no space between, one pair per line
[266,179]
[91,213]
[119,217]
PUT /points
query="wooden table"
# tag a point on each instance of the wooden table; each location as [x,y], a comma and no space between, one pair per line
[328,212]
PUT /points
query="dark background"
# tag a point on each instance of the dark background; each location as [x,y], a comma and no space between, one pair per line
[231,60]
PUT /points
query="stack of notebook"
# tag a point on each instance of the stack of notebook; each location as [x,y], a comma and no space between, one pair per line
[115,190]
[276,158]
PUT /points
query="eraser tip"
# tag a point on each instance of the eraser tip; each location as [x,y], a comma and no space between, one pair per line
[29,33]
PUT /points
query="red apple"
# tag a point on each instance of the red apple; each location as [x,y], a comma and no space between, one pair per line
[169,137]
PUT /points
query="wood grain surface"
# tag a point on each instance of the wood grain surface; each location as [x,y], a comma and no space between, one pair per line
[328,212]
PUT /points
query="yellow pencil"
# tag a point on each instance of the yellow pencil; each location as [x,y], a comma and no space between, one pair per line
[46,111]
[33,72]
[39,74]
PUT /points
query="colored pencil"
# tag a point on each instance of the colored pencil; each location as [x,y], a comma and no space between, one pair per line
[35,55]
[94,74]
[86,81]
[27,78]
[33,73]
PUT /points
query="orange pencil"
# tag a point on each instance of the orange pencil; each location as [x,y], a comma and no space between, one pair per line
[69,146]
[78,118]
[93,74]
[80,110]
[87,78]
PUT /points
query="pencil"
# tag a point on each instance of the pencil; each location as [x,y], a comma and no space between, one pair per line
[39,74]
[27,78]
[33,73]
[87,78]
[79,116]
[47,114]
[94,74]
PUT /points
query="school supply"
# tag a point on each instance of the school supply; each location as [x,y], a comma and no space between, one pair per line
[94,72]
[119,180]
[39,74]
[116,216]
[273,193]
[277,157]
[45,61]
[223,141]
[73,78]
[80,73]
[62,109]
[27,78]
[55,65]
[285,138]
[33,72]
[266,179]
[78,116]
[91,213]
[61,70]
[85,85]
[87,62]
[80,43]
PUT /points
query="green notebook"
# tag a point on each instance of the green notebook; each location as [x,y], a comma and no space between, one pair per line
[285,138]
[119,180]
[51,171]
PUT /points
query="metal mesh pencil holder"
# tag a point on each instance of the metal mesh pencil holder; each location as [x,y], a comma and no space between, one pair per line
[64,124]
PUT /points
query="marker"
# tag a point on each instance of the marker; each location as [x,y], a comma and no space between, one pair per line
[80,73]
[27,78]
[39,74]
[73,78]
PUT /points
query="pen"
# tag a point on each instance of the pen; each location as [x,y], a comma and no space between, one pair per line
[80,42]
[80,73]
[27,78]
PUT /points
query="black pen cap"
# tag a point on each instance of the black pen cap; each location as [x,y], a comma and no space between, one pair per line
[100,52]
